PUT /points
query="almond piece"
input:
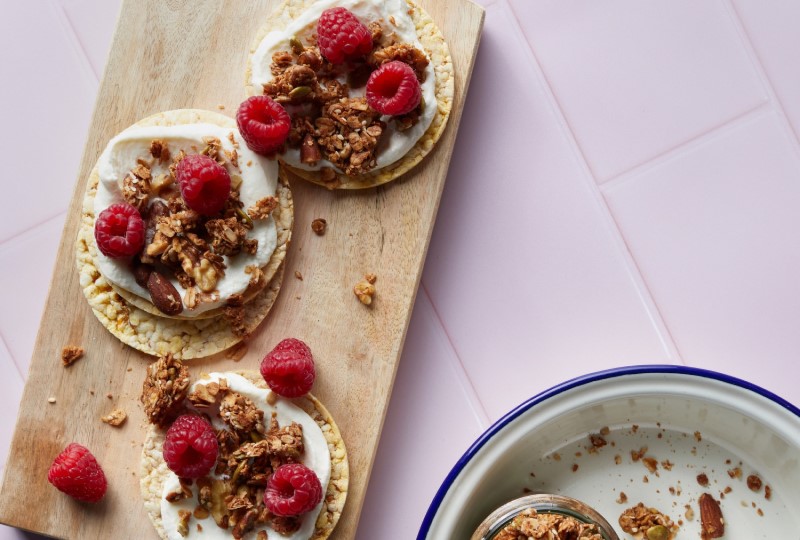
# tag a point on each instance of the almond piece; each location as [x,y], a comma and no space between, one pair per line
[711,520]
[164,294]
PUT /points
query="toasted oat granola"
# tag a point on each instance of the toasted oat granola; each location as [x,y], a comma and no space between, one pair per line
[164,389]
[532,525]
[646,523]
[71,354]
[115,418]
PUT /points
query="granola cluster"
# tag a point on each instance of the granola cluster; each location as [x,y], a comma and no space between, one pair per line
[251,448]
[181,243]
[643,522]
[165,387]
[327,122]
[532,525]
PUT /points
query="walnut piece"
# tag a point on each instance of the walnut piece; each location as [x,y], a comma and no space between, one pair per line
[364,290]
[115,418]
[165,387]
[71,354]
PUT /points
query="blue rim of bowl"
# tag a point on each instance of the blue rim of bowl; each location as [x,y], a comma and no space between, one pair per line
[569,385]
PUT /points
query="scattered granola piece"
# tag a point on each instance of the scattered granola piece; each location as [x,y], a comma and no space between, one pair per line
[711,520]
[647,523]
[51,400]
[736,472]
[115,418]
[767,492]
[298,275]
[221,107]
[575,467]
[689,514]
[702,479]
[364,290]
[110,395]
[636,455]
[623,498]
[71,354]
[597,440]
[697,436]
[650,463]
[754,482]
[318,226]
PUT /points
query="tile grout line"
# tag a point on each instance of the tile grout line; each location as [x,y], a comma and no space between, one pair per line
[643,290]
[4,343]
[744,35]
[28,230]
[478,408]
[680,148]
[77,44]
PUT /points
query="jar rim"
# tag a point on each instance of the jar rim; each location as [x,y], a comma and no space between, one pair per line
[543,503]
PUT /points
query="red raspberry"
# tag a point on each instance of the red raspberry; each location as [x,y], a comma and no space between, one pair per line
[393,89]
[191,447]
[119,231]
[341,36]
[205,184]
[289,368]
[293,489]
[76,472]
[264,124]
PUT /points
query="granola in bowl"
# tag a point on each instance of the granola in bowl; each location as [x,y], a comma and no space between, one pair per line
[200,263]
[340,136]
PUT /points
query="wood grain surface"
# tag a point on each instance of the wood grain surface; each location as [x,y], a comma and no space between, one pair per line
[170,54]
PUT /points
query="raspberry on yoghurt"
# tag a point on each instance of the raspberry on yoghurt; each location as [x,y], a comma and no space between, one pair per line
[179,217]
[317,67]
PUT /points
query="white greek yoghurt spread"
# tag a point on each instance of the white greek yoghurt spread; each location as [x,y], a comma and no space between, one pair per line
[259,180]
[316,458]
[393,144]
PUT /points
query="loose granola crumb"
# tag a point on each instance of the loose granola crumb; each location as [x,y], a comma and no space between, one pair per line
[702,479]
[736,472]
[754,482]
[298,275]
[318,226]
[623,498]
[365,291]
[71,354]
[51,400]
[371,278]
[115,418]
[110,395]
[597,440]
[767,492]
[221,107]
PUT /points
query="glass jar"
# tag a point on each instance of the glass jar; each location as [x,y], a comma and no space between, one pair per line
[543,504]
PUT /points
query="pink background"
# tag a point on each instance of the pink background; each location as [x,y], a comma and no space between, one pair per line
[624,189]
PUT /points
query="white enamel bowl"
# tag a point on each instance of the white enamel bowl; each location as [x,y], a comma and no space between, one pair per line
[691,421]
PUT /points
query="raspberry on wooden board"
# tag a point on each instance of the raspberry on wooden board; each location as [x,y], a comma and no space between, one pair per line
[75,471]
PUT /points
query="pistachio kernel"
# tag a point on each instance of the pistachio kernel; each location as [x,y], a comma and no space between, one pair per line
[657,532]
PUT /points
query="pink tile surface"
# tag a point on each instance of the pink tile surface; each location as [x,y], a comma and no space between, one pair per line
[49,106]
[525,268]
[635,79]
[93,23]
[635,202]
[27,262]
[771,29]
[714,230]
[413,435]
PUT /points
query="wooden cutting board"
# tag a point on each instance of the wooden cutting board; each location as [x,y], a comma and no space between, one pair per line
[170,54]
